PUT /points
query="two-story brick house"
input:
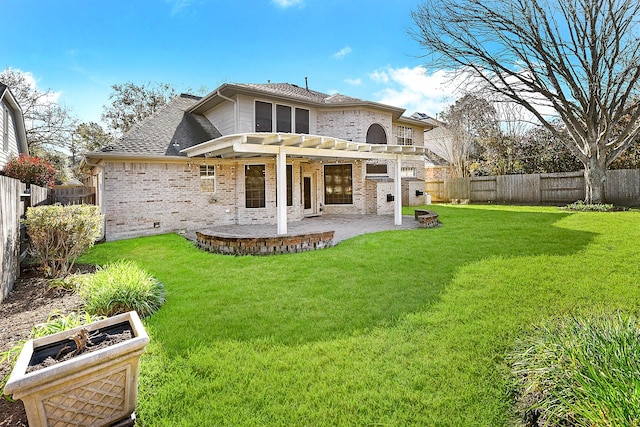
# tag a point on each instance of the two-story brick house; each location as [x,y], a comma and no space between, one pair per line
[258,154]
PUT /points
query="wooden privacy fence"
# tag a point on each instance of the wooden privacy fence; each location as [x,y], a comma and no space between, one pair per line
[14,201]
[623,188]
[75,195]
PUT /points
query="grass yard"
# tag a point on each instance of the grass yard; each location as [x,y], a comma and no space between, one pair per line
[395,328]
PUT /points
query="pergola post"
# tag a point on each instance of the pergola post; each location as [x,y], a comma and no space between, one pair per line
[281,187]
[397,184]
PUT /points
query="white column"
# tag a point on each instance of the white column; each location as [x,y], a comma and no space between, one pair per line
[397,203]
[281,186]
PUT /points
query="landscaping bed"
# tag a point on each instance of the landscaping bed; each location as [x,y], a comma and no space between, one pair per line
[28,304]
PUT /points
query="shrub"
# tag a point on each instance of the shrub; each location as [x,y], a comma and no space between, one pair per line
[121,287]
[591,207]
[31,170]
[60,234]
[580,372]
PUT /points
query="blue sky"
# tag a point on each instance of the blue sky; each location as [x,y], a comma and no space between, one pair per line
[80,48]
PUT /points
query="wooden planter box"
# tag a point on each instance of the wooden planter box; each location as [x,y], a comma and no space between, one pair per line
[95,388]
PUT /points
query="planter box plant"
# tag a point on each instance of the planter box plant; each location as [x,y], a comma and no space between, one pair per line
[79,385]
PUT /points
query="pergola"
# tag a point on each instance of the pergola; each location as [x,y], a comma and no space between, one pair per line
[282,145]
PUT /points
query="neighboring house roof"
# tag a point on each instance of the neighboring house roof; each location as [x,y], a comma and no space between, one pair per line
[21,131]
[288,92]
[167,131]
[427,119]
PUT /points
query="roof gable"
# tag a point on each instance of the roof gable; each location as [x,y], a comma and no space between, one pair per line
[6,96]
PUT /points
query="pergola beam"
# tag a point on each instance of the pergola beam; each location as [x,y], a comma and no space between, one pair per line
[312,146]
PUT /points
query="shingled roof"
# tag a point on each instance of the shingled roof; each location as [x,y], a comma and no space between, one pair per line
[294,91]
[167,131]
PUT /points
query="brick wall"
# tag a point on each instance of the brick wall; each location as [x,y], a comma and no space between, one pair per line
[152,198]
[409,188]
[352,125]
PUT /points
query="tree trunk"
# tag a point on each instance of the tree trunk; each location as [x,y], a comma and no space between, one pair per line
[595,178]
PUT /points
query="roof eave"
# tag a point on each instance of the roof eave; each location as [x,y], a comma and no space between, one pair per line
[113,155]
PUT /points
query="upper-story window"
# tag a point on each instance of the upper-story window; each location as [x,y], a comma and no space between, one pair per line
[283,118]
[302,120]
[264,117]
[405,135]
[287,118]
[376,134]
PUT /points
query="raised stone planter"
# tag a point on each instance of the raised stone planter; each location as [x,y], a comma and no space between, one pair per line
[238,245]
[96,388]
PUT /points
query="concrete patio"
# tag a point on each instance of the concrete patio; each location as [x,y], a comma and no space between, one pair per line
[344,226]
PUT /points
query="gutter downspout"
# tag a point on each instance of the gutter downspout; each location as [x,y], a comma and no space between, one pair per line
[99,199]
[235,109]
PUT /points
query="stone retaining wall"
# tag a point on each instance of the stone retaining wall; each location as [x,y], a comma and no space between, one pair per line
[235,245]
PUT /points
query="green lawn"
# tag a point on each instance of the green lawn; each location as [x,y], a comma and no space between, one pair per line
[395,328]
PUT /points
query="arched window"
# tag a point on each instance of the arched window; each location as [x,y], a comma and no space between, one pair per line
[376,134]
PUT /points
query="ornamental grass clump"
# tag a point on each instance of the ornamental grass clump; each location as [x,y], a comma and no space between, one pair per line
[60,234]
[580,372]
[122,287]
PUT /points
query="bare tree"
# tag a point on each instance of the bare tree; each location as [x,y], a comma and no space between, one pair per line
[49,124]
[580,57]
[467,122]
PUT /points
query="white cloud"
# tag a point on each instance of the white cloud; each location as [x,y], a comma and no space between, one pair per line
[379,76]
[342,52]
[287,3]
[415,90]
[354,82]
[179,5]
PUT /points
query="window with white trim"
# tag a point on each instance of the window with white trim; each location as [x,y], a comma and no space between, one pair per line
[302,120]
[404,135]
[254,186]
[407,172]
[264,116]
[377,169]
[207,178]
[338,184]
[283,118]
[287,118]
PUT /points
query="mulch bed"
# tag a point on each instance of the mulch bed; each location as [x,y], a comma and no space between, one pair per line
[28,304]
